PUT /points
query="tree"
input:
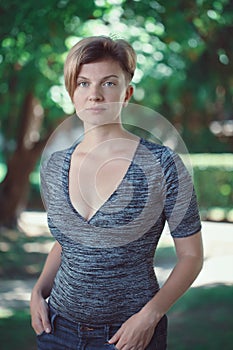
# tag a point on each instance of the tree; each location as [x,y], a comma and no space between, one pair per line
[184,63]
[33,43]
[184,70]
[189,65]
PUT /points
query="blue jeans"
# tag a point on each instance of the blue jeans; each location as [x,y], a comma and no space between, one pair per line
[68,335]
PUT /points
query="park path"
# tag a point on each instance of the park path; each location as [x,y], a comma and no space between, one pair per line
[218,266]
[218,254]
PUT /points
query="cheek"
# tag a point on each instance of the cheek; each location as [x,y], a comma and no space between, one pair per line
[117,96]
[77,98]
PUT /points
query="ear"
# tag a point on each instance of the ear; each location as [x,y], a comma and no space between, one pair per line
[128,94]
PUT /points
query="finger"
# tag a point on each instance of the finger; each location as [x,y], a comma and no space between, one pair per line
[37,326]
[120,346]
[45,322]
[122,343]
[115,337]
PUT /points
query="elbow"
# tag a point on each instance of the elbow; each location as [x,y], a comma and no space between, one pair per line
[200,259]
[193,264]
[199,264]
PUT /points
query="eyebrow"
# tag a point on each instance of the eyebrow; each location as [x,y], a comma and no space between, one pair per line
[104,78]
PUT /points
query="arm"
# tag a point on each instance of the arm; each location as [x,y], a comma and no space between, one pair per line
[189,263]
[137,331]
[42,289]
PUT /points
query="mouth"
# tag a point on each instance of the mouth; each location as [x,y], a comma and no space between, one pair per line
[96,109]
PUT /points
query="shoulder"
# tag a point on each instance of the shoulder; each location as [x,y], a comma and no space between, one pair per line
[169,160]
[56,159]
[161,152]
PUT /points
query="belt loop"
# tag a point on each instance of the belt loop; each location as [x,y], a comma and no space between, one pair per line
[79,329]
[106,332]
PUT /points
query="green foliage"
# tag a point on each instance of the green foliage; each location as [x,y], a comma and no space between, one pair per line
[214,184]
[31,58]
[2,171]
[184,58]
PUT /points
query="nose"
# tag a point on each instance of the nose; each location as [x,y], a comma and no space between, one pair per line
[95,94]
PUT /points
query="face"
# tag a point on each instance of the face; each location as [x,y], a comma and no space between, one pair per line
[101,92]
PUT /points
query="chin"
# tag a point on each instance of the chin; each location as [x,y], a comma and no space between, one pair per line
[98,118]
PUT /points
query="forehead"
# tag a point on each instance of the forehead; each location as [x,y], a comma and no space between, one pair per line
[101,68]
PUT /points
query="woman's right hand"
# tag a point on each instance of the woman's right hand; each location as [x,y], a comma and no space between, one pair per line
[39,314]
[42,289]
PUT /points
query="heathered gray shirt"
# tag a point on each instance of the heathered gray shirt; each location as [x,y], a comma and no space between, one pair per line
[106,272]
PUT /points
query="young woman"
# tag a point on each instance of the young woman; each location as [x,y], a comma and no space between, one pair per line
[108,198]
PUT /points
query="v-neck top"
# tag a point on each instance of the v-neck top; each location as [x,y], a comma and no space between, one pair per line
[66,170]
[107,264]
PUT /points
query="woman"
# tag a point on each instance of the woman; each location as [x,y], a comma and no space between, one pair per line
[108,198]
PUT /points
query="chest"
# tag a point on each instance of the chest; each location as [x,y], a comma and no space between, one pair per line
[82,209]
[93,180]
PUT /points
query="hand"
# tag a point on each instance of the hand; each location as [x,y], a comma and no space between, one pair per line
[135,333]
[39,314]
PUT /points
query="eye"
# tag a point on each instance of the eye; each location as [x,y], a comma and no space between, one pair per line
[108,83]
[83,84]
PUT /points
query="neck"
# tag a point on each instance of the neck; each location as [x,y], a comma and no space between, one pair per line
[94,135]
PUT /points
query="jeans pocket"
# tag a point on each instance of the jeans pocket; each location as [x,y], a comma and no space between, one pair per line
[52,317]
[40,335]
[159,338]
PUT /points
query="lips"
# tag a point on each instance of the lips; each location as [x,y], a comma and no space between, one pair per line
[96,109]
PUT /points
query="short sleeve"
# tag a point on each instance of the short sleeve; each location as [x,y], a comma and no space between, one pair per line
[180,202]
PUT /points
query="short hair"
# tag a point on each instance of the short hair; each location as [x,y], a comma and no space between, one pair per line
[93,49]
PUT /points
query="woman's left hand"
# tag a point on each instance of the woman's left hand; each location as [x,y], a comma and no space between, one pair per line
[135,333]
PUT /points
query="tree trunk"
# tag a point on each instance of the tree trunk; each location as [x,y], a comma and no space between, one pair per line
[14,188]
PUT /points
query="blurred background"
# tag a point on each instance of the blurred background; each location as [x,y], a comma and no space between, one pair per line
[184,72]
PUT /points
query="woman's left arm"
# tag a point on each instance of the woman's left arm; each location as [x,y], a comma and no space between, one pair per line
[137,331]
[189,252]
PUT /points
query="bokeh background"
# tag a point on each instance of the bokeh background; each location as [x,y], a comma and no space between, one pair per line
[184,72]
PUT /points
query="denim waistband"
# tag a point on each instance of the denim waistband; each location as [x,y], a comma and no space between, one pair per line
[91,330]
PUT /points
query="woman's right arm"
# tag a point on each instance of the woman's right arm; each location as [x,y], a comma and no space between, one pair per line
[41,291]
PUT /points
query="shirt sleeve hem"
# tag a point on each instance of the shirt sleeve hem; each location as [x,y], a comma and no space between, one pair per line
[187,234]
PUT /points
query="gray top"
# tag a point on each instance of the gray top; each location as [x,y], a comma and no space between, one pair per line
[106,272]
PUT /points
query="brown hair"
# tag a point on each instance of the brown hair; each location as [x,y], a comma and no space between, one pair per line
[93,49]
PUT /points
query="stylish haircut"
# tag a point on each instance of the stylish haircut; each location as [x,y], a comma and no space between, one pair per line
[94,49]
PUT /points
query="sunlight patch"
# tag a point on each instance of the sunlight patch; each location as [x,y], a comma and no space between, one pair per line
[6,313]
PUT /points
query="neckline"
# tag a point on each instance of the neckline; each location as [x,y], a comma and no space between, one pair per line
[65,180]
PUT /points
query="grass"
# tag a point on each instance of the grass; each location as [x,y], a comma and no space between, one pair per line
[16,332]
[202,319]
